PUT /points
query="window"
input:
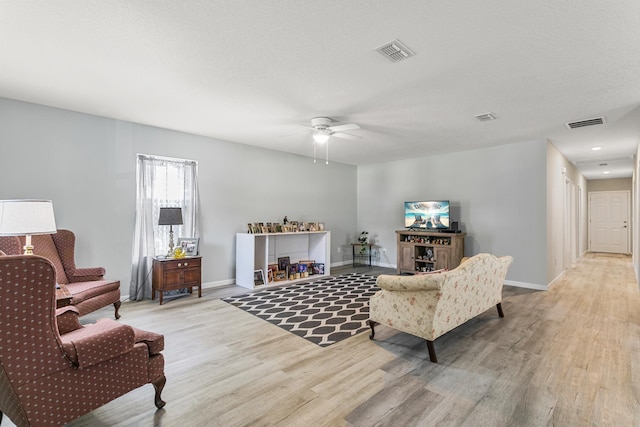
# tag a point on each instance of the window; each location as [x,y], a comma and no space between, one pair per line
[161,182]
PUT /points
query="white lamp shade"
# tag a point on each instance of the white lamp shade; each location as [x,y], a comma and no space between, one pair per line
[26,216]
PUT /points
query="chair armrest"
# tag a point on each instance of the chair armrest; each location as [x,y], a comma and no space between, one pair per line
[85,274]
[423,282]
[102,341]
[68,319]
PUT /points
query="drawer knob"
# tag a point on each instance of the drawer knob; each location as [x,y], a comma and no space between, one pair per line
[179,265]
[186,264]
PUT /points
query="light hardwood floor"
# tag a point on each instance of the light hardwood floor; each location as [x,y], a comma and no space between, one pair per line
[566,357]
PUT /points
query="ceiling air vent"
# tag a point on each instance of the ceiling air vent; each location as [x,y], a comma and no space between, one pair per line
[395,51]
[587,122]
[486,117]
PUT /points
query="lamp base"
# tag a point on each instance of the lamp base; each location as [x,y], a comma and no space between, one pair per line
[28,247]
[171,245]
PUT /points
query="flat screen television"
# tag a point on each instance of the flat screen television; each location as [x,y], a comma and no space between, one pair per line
[427,215]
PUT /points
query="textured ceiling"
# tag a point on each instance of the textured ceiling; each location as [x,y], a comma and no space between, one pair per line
[254,72]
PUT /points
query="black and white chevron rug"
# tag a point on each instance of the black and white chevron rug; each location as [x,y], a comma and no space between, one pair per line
[323,311]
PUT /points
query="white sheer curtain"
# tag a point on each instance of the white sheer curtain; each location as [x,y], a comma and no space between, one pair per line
[161,182]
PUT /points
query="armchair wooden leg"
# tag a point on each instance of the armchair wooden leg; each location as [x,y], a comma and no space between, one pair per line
[117,305]
[159,385]
[500,313]
[432,352]
[373,331]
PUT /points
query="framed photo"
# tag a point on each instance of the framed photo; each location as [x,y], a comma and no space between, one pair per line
[189,244]
[312,226]
[318,268]
[270,277]
[250,228]
[308,263]
[256,228]
[321,226]
[283,263]
[292,272]
[273,267]
[280,275]
[258,277]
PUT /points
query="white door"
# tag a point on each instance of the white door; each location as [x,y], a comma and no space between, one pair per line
[609,221]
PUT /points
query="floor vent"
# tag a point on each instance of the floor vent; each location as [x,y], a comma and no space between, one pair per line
[588,122]
[395,51]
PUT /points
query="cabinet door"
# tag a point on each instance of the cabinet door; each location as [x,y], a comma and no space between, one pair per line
[172,277]
[443,258]
[192,275]
[406,262]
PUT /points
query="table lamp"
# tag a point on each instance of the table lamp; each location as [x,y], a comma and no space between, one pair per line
[26,217]
[170,217]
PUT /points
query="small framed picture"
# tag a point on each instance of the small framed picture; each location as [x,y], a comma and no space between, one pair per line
[283,263]
[273,267]
[321,226]
[258,277]
[270,275]
[280,275]
[189,245]
[318,268]
[250,228]
[312,226]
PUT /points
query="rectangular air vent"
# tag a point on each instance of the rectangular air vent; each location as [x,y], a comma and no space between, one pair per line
[588,122]
[486,117]
[395,51]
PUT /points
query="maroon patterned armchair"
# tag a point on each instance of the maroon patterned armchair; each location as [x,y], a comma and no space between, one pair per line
[52,369]
[89,290]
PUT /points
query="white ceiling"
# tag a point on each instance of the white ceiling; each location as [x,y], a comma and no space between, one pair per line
[254,71]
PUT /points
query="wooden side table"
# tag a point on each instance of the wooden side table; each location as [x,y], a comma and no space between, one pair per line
[63,296]
[176,273]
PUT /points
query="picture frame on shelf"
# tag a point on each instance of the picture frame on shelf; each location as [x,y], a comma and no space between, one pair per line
[312,226]
[292,271]
[308,263]
[270,275]
[250,228]
[279,276]
[273,267]
[258,278]
[321,226]
[283,263]
[189,245]
[256,228]
[318,268]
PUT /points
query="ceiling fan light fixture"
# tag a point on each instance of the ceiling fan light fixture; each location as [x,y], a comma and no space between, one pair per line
[321,136]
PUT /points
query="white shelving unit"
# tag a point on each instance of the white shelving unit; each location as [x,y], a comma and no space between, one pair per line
[257,251]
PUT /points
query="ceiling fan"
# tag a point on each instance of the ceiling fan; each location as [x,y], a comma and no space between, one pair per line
[321,131]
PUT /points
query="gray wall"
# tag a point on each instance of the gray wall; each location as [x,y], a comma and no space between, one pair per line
[498,194]
[86,165]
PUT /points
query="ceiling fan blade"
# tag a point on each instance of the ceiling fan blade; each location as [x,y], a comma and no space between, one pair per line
[341,128]
[346,136]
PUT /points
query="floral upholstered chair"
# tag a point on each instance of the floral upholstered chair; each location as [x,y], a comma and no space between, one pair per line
[430,305]
[52,369]
[87,286]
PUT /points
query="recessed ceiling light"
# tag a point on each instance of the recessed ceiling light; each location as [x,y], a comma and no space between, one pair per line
[596,148]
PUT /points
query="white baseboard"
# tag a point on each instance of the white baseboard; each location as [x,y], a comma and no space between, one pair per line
[526,285]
